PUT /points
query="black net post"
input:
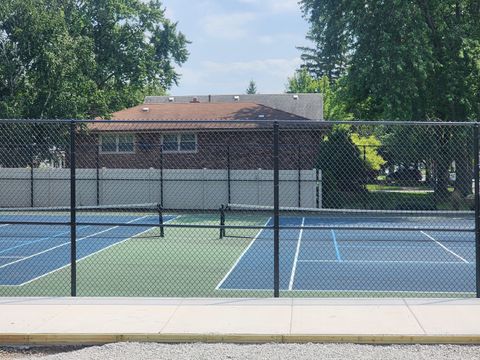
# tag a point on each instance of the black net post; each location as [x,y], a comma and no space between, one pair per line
[477,207]
[222,221]
[160,220]
[276,212]
[73,220]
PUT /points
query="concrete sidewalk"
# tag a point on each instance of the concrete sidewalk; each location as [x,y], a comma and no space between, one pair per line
[102,320]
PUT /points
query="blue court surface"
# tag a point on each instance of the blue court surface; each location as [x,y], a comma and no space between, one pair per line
[370,261]
[29,252]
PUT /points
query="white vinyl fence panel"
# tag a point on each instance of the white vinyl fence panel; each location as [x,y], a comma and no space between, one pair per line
[182,188]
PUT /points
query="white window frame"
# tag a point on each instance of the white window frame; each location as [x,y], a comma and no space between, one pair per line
[179,151]
[117,142]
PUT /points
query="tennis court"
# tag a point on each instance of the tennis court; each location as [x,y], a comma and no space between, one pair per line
[30,252]
[423,254]
[320,253]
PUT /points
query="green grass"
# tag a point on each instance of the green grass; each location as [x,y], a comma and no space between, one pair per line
[401,200]
[380,187]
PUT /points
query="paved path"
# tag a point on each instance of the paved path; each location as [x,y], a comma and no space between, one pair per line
[101,320]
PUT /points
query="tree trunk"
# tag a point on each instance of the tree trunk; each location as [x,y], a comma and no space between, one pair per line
[462,152]
[464,172]
[442,176]
[442,164]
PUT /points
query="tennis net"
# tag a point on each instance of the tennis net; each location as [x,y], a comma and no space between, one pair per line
[128,214]
[346,219]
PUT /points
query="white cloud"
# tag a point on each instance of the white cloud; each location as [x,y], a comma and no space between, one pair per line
[212,77]
[228,26]
[277,67]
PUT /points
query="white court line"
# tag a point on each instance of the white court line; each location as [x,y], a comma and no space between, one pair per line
[384,262]
[444,247]
[5,225]
[68,242]
[295,260]
[95,253]
[241,256]
[11,257]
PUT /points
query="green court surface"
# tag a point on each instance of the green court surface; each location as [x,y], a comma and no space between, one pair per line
[186,262]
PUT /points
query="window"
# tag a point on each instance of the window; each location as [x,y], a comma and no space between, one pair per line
[179,143]
[188,142]
[170,142]
[115,143]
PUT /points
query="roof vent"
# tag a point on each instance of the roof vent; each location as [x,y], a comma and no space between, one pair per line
[236,98]
[295,97]
[145,109]
[171,99]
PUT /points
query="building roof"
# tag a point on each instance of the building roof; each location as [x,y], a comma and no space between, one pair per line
[181,112]
[308,106]
[177,116]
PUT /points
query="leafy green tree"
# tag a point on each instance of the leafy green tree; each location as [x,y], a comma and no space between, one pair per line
[338,153]
[406,60]
[252,88]
[333,106]
[330,55]
[369,147]
[83,59]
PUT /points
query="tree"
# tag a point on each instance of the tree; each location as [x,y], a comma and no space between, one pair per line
[337,153]
[406,60]
[252,88]
[330,56]
[369,147]
[83,59]
[333,106]
[334,109]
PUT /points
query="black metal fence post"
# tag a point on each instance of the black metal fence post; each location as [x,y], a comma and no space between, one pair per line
[365,166]
[477,207]
[276,212]
[73,214]
[229,177]
[299,178]
[97,166]
[32,181]
[161,175]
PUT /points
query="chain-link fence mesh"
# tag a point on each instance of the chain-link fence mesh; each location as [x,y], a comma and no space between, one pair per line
[238,208]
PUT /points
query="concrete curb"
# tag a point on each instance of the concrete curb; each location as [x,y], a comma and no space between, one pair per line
[97,339]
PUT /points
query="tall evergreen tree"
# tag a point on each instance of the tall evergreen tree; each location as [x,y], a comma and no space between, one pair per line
[252,88]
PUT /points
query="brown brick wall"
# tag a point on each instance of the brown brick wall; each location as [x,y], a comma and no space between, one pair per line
[248,150]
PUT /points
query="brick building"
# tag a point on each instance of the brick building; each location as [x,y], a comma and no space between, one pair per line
[231,131]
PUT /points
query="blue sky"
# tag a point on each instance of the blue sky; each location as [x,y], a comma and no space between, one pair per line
[234,41]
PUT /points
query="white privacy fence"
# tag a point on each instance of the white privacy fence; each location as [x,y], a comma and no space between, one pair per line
[174,188]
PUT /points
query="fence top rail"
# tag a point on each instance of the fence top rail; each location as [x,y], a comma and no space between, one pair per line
[320,123]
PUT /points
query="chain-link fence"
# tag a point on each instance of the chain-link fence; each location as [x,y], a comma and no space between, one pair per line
[238,208]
